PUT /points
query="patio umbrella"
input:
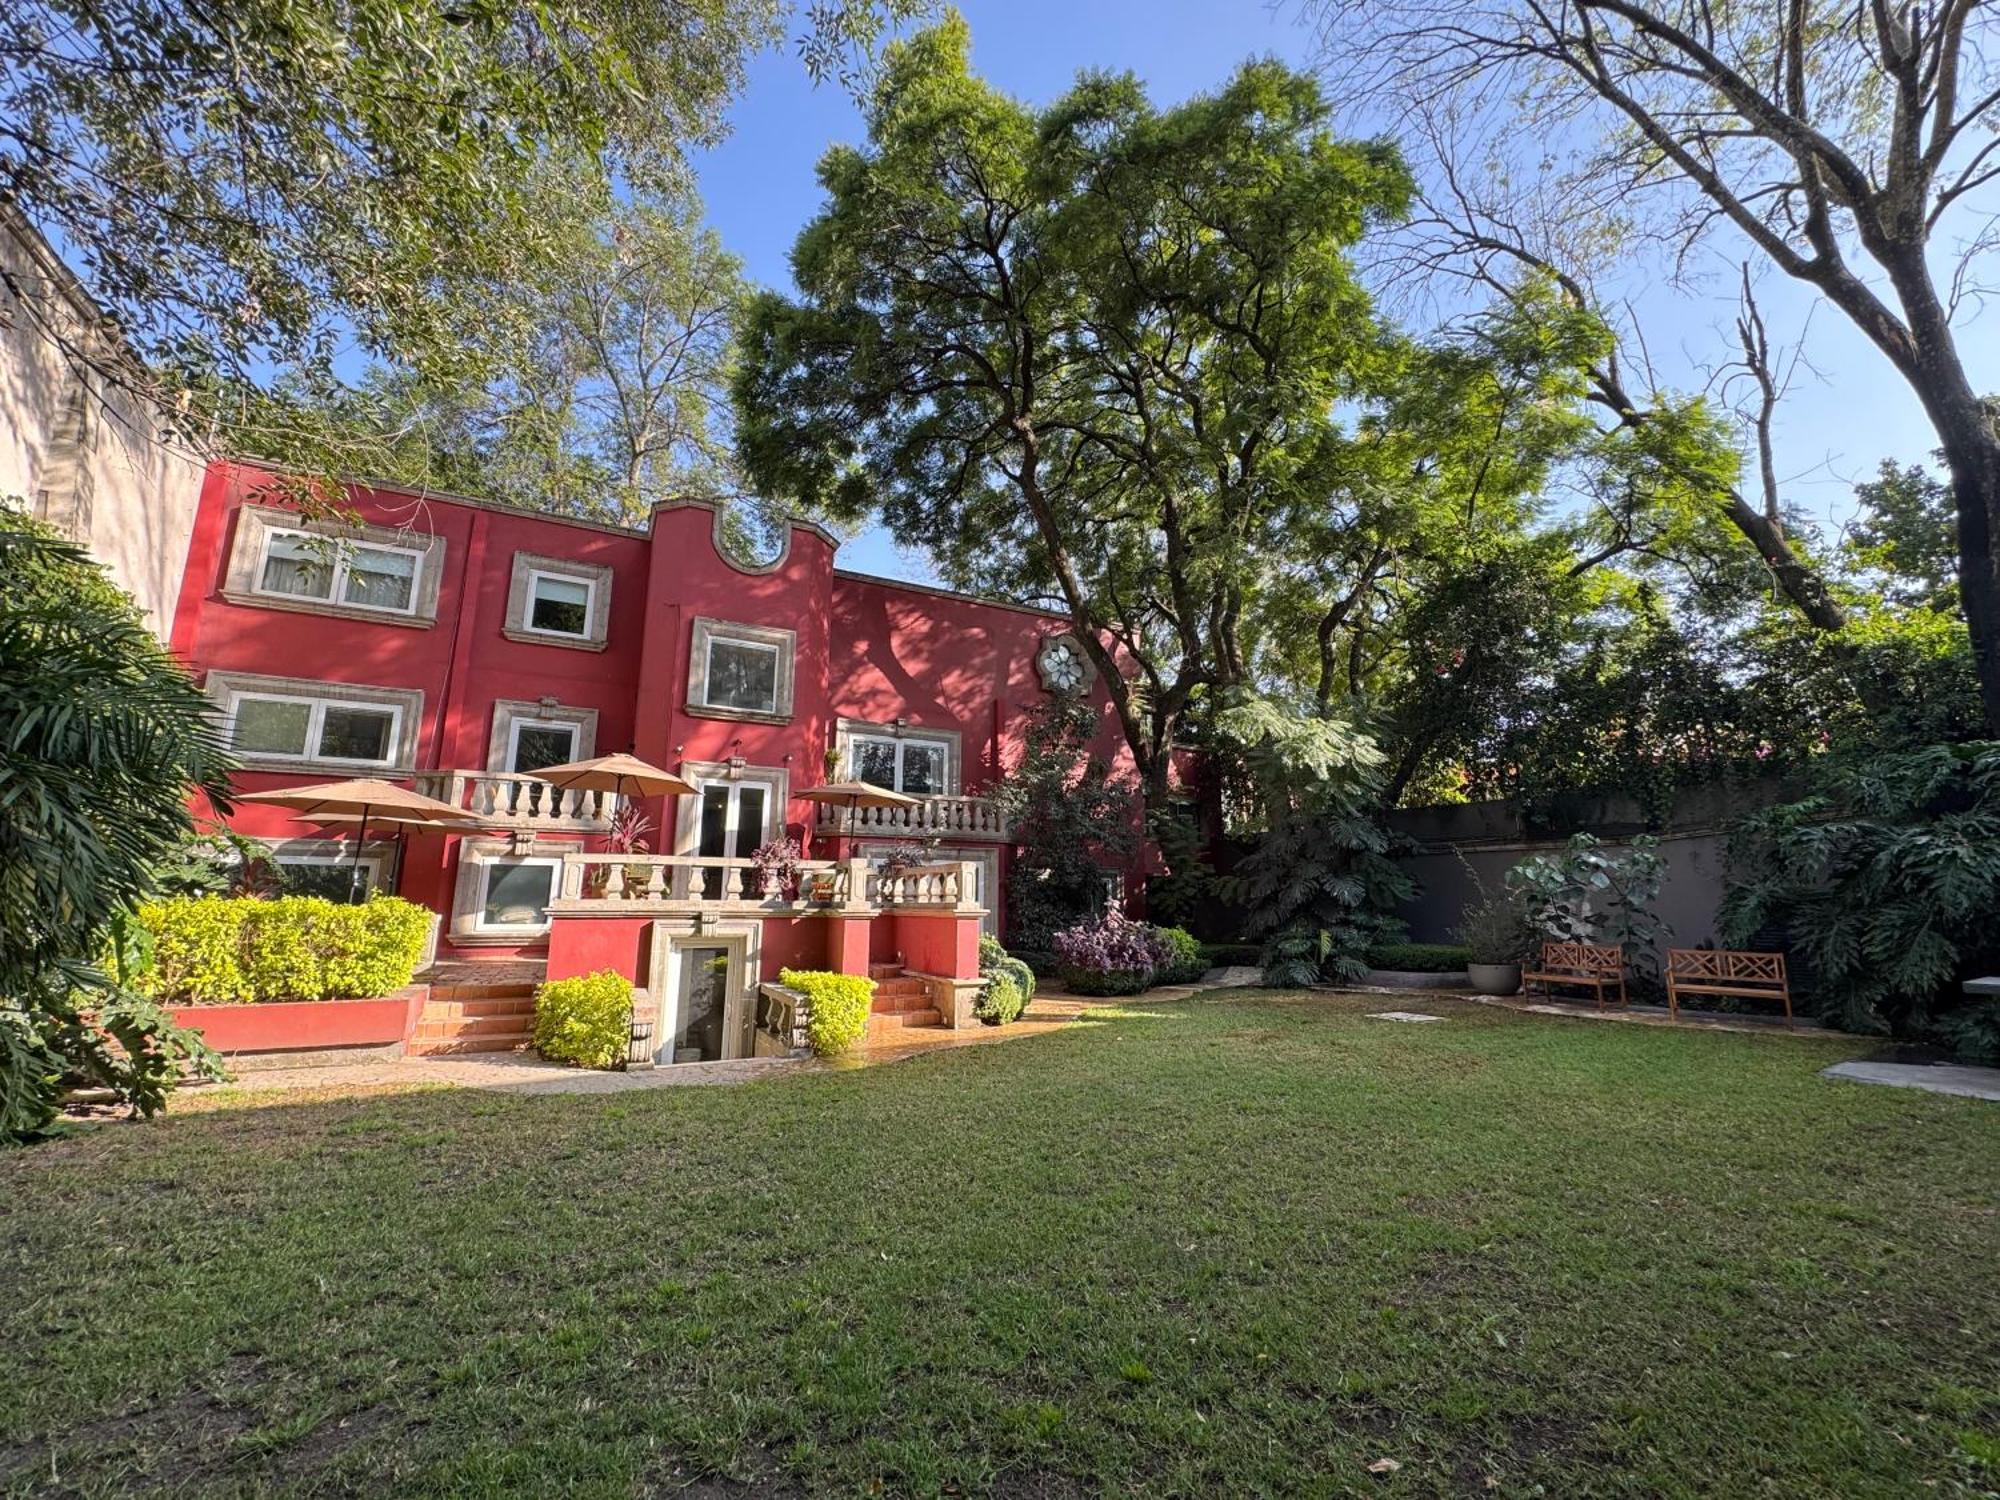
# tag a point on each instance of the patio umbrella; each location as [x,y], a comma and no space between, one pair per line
[856,794]
[622,774]
[363,801]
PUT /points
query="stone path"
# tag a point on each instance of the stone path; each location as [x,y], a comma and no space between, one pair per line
[1934,1078]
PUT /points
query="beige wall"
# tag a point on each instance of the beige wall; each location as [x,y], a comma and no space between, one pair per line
[85,453]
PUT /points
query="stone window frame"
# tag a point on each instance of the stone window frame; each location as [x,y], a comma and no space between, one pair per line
[500,739]
[847,731]
[468,901]
[594,576]
[743,938]
[704,635]
[224,688]
[242,581]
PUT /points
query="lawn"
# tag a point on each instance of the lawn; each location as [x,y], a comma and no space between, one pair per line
[1217,1246]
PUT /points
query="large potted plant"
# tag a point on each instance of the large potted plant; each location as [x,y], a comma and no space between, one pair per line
[1496,932]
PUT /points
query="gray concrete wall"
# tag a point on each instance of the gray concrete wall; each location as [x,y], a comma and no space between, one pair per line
[1492,836]
[82,446]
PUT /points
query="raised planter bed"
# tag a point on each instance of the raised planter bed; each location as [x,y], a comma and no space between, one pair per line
[1416,979]
[307,1025]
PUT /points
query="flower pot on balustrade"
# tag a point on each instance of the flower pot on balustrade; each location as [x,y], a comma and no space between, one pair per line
[637,877]
[822,888]
[1494,979]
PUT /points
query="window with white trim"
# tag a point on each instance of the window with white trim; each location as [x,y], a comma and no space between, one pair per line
[536,744]
[742,675]
[910,764]
[273,726]
[559,605]
[327,875]
[514,894]
[339,570]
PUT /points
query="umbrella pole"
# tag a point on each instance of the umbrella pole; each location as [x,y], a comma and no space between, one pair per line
[360,838]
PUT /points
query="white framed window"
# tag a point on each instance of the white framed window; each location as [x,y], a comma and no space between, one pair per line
[558,601]
[328,875]
[913,766]
[514,894]
[534,744]
[742,675]
[276,726]
[559,605]
[340,570]
[740,671]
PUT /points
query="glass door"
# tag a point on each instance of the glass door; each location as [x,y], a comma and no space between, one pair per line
[734,815]
[701,1006]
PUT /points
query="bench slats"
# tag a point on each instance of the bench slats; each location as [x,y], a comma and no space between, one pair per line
[1741,973]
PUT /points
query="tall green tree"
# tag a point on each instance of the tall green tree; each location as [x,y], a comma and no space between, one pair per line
[1090,353]
[252,185]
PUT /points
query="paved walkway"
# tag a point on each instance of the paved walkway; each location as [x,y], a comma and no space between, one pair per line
[1933,1078]
[525,1073]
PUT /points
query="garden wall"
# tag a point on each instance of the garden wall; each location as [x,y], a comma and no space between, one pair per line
[1491,836]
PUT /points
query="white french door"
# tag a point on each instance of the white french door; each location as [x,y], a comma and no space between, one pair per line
[733,818]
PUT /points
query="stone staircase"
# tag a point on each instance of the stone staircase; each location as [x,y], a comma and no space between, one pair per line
[901,1002]
[471,1011]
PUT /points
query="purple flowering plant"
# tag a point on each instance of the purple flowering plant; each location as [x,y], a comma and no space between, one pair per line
[1110,943]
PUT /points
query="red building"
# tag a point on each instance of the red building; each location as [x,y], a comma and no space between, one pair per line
[460,645]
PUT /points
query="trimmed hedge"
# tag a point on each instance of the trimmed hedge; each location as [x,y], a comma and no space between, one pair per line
[1232,955]
[222,950]
[837,1015]
[1420,958]
[1009,984]
[1184,963]
[585,1020]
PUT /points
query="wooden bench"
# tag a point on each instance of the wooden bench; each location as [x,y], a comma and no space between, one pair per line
[1726,971]
[1583,965]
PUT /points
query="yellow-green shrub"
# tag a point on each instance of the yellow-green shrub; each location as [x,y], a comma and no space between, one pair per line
[216,950]
[586,1020]
[837,1007]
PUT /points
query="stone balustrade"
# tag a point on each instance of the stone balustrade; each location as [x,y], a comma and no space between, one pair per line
[506,799]
[954,817]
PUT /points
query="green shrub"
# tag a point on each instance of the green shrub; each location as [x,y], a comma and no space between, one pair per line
[1420,958]
[1232,955]
[1183,963]
[585,1020]
[1009,984]
[218,950]
[1041,964]
[1001,1000]
[837,1007]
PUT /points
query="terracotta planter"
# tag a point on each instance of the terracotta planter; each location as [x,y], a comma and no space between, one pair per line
[1494,979]
[305,1025]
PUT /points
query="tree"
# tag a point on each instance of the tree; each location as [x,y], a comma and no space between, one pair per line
[605,387]
[103,737]
[250,185]
[1072,822]
[1837,142]
[1090,353]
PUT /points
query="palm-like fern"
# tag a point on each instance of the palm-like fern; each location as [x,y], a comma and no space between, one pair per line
[1885,883]
[102,739]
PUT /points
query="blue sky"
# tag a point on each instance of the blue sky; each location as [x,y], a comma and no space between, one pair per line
[1844,415]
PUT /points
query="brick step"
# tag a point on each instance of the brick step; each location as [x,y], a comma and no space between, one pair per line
[454,1046]
[452,1010]
[515,1026]
[885,971]
[460,992]
[889,1023]
[904,986]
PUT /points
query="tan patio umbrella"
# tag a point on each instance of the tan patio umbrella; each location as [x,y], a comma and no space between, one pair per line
[856,794]
[622,774]
[362,801]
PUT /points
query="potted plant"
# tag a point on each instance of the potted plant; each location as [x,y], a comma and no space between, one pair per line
[777,861]
[1497,933]
[905,856]
[627,835]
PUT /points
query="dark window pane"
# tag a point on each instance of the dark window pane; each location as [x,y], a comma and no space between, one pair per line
[560,606]
[273,728]
[301,566]
[743,676]
[923,770]
[714,836]
[355,733]
[540,745]
[333,882]
[380,580]
[875,762]
[518,895]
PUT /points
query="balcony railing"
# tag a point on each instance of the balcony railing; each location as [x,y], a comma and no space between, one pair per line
[593,883]
[505,799]
[955,817]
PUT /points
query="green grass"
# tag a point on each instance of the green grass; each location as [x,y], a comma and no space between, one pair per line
[1209,1247]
